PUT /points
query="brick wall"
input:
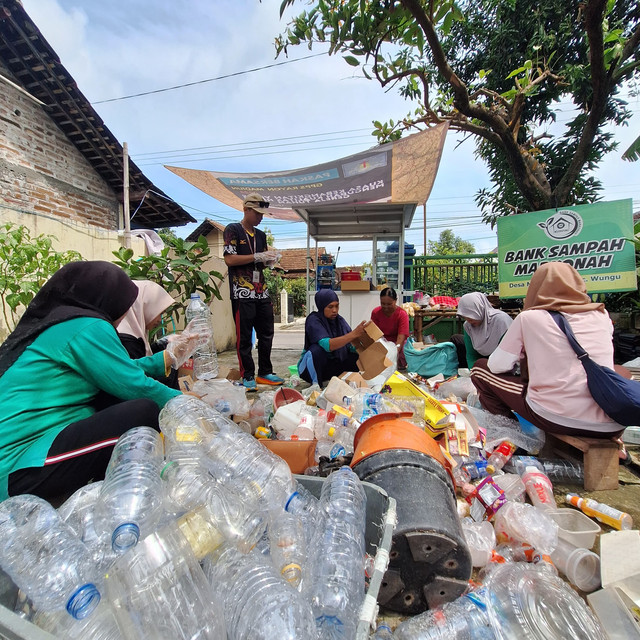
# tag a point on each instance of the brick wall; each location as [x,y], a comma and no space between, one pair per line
[41,172]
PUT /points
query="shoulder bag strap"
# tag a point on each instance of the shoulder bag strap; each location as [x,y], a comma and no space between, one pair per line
[565,327]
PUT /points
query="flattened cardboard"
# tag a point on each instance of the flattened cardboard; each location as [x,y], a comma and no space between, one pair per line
[372,360]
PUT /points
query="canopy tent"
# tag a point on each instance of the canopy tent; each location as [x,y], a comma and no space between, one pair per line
[397,172]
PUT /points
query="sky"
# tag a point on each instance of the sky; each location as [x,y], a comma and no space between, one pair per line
[304,112]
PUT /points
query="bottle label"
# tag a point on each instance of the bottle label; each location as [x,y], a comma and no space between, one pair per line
[604,509]
[506,448]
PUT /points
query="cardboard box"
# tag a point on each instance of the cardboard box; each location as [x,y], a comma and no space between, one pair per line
[355,285]
[372,355]
[353,377]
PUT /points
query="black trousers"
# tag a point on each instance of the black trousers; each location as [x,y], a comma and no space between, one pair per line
[249,315]
[81,452]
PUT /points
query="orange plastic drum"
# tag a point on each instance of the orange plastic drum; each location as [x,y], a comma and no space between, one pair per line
[390,431]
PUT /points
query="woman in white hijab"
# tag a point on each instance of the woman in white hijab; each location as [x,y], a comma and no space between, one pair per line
[145,314]
[483,328]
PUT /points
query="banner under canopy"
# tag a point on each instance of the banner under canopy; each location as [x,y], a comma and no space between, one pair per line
[396,172]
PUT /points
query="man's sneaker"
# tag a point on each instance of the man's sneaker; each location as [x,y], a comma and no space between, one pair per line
[249,384]
[270,378]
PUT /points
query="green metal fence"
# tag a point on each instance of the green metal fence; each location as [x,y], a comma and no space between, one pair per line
[455,275]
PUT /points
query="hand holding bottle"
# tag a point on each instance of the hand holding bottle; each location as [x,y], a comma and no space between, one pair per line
[184,345]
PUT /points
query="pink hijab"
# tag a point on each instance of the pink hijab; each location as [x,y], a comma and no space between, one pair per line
[152,300]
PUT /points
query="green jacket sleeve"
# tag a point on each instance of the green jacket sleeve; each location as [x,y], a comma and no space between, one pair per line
[472,354]
[97,354]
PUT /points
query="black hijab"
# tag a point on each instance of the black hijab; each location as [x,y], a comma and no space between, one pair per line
[94,289]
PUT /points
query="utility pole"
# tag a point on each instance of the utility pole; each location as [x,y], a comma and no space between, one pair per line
[125,207]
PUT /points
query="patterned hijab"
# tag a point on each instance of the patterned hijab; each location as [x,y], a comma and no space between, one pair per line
[486,336]
[93,289]
[558,286]
[152,300]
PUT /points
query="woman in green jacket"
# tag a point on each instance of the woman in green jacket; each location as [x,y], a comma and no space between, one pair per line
[63,353]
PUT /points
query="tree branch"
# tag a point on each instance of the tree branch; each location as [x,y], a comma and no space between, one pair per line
[593,18]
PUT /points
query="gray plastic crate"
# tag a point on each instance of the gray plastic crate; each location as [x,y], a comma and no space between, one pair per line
[381,521]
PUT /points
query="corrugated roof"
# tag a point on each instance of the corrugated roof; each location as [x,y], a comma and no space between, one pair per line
[37,68]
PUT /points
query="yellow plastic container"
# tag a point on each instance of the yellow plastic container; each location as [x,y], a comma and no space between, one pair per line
[436,416]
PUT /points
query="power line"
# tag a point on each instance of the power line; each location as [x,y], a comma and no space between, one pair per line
[191,84]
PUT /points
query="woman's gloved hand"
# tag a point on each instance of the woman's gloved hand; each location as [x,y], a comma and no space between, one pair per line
[183,345]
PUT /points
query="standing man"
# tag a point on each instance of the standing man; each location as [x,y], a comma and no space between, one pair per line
[246,255]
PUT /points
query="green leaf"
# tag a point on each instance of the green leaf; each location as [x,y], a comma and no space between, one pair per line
[351,60]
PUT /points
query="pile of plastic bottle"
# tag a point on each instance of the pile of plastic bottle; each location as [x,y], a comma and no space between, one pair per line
[198,533]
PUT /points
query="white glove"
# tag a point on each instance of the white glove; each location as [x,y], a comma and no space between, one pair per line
[185,344]
[265,256]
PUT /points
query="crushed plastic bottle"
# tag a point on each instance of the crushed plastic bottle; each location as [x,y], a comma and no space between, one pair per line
[539,488]
[205,360]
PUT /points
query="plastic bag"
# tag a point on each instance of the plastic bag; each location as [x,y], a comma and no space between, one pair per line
[438,358]
[223,396]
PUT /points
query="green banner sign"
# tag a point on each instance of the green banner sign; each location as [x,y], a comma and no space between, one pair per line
[591,237]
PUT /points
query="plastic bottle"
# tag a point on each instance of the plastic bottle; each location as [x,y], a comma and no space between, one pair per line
[130,501]
[476,469]
[499,456]
[287,545]
[45,559]
[336,584]
[462,619]
[158,588]
[238,518]
[100,625]
[258,604]
[205,360]
[559,470]
[631,435]
[539,488]
[78,512]
[323,449]
[342,441]
[303,504]
[243,456]
[601,512]
[520,522]
[383,632]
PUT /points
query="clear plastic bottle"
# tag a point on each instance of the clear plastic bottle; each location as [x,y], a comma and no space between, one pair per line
[44,557]
[336,584]
[383,632]
[158,588]
[463,619]
[539,488]
[602,512]
[258,604]
[130,502]
[236,516]
[559,470]
[288,546]
[100,625]
[631,435]
[78,512]
[205,360]
[499,456]
[303,504]
[343,437]
[243,456]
